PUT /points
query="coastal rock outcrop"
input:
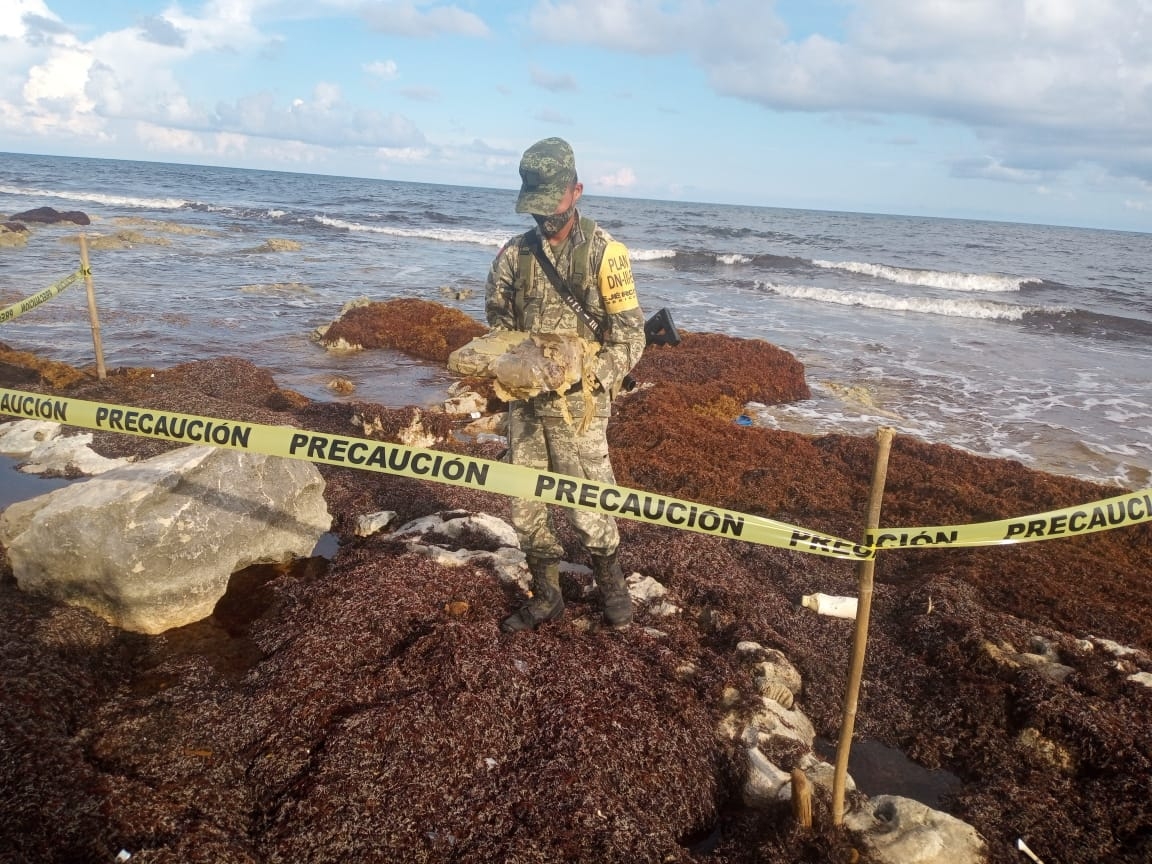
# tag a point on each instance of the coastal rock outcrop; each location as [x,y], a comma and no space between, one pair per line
[52,216]
[151,546]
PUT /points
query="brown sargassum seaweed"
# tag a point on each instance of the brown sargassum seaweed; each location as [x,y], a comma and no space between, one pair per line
[369,710]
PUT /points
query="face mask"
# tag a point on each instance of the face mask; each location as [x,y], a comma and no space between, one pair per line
[552,225]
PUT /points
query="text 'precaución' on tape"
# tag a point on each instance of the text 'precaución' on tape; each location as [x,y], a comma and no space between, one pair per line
[522,482]
[500,477]
[27,305]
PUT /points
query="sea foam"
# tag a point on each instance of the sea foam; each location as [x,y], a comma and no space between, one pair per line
[931,278]
[443,235]
[98,198]
[955,308]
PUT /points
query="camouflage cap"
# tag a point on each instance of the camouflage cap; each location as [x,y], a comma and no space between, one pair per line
[547,169]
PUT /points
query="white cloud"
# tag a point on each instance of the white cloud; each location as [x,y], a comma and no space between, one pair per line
[1043,82]
[52,81]
[406,19]
[383,69]
[547,115]
[419,93]
[325,119]
[553,81]
[988,168]
[16,15]
[623,178]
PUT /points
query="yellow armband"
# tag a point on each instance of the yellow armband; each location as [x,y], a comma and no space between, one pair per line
[617,287]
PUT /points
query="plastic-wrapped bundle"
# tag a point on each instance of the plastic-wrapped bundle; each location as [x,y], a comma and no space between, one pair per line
[526,365]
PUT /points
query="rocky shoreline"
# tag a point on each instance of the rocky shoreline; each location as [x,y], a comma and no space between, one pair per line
[368,709]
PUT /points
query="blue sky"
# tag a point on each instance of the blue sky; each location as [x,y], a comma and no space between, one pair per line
[1022,110]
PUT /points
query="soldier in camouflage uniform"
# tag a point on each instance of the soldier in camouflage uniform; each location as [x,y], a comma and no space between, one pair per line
[521,296]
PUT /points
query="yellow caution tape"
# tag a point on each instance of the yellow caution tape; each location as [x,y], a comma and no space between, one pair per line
[514,480]
[18,309]
[1129,509]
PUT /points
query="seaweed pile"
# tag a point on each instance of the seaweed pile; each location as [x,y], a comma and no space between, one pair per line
[368,709]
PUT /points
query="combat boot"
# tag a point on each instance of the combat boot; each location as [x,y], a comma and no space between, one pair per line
[613,590]
[546,602]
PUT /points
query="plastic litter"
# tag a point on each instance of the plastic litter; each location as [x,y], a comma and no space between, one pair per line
[828,604]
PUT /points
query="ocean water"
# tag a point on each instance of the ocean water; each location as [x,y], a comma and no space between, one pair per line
[1026,342]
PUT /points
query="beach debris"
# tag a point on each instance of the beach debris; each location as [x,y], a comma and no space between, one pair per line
[466,402]
[1047,752]
[1006,656]
[456,608]
[341,385]
[476,358]
[528,364]
[456,293]
[415,435]
[829,604]
[1023,847]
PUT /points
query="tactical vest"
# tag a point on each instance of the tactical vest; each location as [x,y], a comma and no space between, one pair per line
[582,281]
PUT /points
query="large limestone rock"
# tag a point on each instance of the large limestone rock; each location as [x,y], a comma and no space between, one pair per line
[152,545]
[898,830]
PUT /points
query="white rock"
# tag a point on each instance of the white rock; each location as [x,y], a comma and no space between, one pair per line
[452,523]
[776,671]
[765,782]
[152,545]
[1116,649]
[897,830]
[469,402]
[1144,678]
[645,589]
[70,455]
[21,437]
[821,773]
[370,523]
[773,720]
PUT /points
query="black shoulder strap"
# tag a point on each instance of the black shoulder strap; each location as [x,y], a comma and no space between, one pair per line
[562,287]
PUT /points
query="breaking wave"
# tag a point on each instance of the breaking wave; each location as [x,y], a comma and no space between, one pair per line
[99,198]
[958,308]
[445,235]
[931,278]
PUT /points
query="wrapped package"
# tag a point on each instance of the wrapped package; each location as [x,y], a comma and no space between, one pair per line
[526,365]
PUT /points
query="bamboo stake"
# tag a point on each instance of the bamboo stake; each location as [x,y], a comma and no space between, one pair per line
[865,572]
[93,318]
[801,799]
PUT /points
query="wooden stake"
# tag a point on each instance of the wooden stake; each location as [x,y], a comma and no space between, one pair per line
[801,798]
[93,318]
[865,572]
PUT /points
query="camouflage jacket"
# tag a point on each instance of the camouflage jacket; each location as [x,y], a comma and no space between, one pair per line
[519,296]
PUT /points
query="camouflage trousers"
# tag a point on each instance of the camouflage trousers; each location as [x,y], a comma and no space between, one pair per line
[550,444]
